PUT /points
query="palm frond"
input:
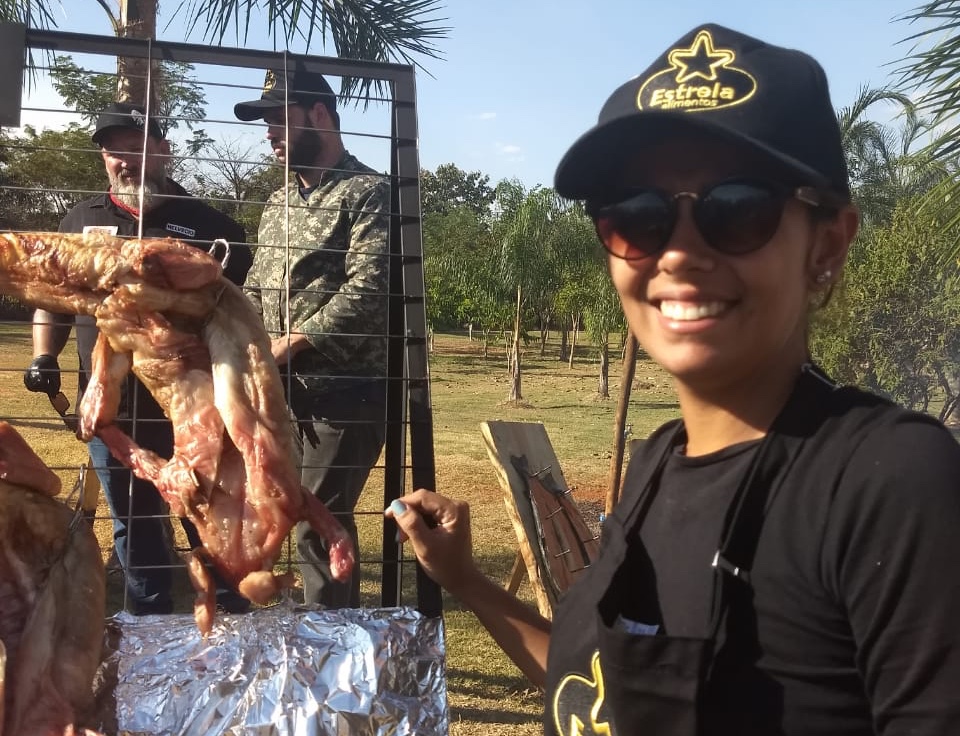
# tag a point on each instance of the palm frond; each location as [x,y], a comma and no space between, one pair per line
[31,13]
[931,73]
[932,68]
[866,98]
[396,31]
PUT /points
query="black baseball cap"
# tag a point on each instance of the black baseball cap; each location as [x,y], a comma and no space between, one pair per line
[125,115]
[296,85]
[714,80]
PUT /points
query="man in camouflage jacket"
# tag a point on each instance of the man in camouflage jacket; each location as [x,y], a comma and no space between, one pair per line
[320,281]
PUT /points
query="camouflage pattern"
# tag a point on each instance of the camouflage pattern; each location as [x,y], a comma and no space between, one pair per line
[336,248]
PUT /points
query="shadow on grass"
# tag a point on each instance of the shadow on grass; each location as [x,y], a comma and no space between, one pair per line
[472,371]
[473,683]
[655,405]
[470,361]
[581,405]
[33,423]
[514,700]
[488,715]
[15,332]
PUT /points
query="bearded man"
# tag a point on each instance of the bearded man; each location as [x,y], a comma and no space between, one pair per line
[320,281]
[141,201]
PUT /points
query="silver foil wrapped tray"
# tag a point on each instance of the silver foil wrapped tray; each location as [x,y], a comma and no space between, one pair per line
[283,670]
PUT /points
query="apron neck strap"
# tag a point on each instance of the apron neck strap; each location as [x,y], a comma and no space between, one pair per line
[804,411]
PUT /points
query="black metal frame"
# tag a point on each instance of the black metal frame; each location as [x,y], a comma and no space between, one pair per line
[408,394]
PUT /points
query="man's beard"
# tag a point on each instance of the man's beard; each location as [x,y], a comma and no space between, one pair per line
[127,191]
[303,154]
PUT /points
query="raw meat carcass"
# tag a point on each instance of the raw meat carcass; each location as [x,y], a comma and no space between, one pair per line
[231,472]
[201,349]
[51,600]
[72,274]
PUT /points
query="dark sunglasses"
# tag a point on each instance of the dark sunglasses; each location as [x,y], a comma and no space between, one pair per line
[734,217]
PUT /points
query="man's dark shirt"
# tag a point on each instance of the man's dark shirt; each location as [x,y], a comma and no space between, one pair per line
[182,217]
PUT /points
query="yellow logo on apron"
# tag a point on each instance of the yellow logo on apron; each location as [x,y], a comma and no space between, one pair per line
[576,691]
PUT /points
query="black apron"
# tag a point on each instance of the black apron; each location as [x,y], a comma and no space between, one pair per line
[651,683]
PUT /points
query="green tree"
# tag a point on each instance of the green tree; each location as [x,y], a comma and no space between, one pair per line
[488,302]
[456,243]
[181,98]
[508,196]
[576,251]
[893,323]
[43,174]
[603,316]
[894,327]
[450,188]
[523,261]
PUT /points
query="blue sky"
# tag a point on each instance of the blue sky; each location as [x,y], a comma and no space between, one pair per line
[521,79]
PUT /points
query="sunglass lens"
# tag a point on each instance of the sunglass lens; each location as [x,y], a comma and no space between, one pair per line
[739,217]
[638,227]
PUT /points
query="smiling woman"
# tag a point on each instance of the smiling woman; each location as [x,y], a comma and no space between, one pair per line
[721,296]
[777,562]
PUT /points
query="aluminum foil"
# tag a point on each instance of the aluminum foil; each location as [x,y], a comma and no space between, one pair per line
[280,670]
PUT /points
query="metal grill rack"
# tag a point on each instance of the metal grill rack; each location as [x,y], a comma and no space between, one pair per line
[381,130]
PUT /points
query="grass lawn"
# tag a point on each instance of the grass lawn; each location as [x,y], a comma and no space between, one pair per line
[487,693]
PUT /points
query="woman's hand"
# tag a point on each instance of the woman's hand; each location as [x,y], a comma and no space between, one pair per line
[438,528]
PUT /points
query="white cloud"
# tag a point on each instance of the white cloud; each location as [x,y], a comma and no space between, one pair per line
[484,116]
[508,149]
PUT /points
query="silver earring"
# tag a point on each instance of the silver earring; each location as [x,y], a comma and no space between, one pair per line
[824,277]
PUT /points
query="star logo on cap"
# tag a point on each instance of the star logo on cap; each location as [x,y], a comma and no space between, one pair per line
[700,60]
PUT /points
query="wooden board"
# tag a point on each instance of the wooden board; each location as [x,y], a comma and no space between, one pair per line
[555,543]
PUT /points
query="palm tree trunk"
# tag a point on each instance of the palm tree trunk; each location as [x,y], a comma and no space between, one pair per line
[573,338]
[515,392]
[138,19]
[604,386]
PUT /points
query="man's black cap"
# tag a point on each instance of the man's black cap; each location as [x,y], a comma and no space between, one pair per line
[125,115]
[724,84]
[297,85]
